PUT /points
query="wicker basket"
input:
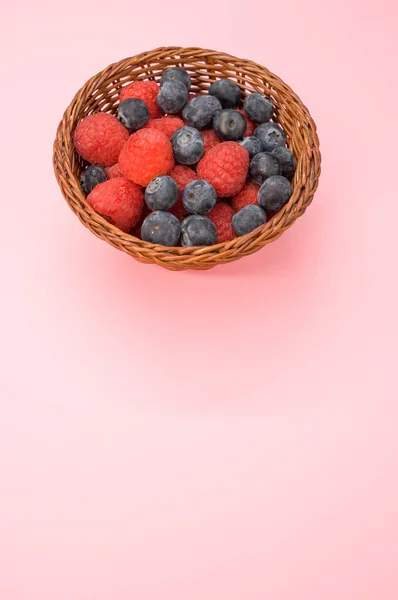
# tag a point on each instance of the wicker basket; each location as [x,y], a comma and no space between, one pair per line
[101,92]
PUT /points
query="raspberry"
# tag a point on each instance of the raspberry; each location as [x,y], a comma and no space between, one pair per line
[99,139]
[221,215]
[250,125]
[146,91]
[225,167]
[167,125]
[182,176]
[119,201]
[115,171]
[210,139]
[147,154]
[247,195]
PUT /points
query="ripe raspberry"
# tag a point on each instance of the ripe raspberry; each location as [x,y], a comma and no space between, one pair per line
[147,154]
[247,195]
[210,139]
[119,201]
[167,125]
[115,171]
[146,91]
[182,176]
[221,215]
[250,125]
[225,167]
[99,139]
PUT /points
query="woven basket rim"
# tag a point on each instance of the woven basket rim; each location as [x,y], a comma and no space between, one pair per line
[70,184]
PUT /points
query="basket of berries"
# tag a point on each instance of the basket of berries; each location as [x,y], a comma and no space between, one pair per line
[187,158]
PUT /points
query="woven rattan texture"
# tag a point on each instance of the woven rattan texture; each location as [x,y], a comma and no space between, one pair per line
[101,92]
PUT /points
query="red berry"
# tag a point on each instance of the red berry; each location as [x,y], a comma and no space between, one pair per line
[210,139]
[182,176]
[221,215]
[147,154]
[250,125]
[115,171]
[247,195]
[99,139]
[167,125]
[146,91]
[119,201]
[225,167]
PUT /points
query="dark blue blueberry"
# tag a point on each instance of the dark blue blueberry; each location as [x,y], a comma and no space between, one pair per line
[197,230]
[188,145]
[262,166]
[274,193]
[176,74]
[161,227]
[199,197]
[228,93]
[258,108]
[252,145]
[172,97]
[248,218]
[92,176]
[271,136]
[199,112]
[287,160]
[133,113]
[229,125]
[161,193]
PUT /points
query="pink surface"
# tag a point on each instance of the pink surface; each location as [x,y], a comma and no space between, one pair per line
[222,435]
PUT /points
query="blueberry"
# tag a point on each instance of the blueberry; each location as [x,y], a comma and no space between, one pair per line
[248,218]
[287,160]
[172,97]
[161,193]
[228,93]
[199,197]
[133,113]
[229,125]
[200,111]
[92,176]
[176,74]
[274,193]
[271,136]
[262,166]
[188,145]
[252,145]
[197,230]
[258,108]
[161,227]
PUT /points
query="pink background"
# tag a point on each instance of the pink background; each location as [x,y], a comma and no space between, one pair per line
[222,435]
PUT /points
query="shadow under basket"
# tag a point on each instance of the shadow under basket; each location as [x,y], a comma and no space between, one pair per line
[101,93]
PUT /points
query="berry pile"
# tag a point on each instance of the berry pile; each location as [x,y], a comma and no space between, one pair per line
[173,167]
